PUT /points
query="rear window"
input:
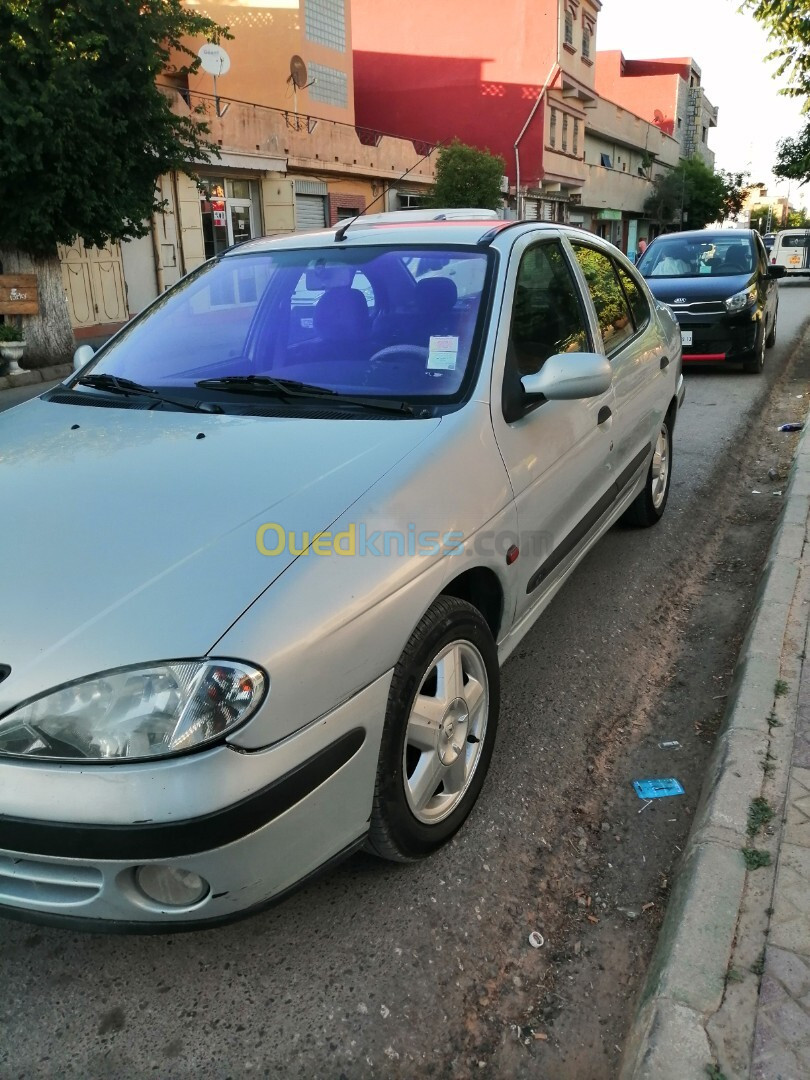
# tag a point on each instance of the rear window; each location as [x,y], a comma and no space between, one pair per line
[795,241]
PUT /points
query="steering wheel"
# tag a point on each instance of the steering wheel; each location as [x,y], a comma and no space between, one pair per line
[399,352]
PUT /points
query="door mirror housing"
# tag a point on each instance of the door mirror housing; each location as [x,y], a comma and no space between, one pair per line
[83,355]
[777,271]
[569,377]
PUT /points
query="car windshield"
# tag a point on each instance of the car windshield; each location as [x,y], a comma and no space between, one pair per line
[719,256]
[374,321]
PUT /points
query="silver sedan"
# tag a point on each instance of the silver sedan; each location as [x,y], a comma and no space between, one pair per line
[266,551]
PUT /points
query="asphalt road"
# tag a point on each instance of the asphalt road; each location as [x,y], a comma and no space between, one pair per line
[382,970]
[19,394]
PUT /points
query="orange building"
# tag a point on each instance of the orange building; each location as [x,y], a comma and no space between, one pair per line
[510,79]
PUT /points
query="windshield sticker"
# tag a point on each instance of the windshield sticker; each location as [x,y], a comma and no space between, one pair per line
[442,354]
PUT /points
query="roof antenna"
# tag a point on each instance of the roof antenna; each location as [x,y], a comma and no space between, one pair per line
[344,228]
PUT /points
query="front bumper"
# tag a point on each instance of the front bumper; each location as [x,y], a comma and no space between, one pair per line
[304,802]
[717,337]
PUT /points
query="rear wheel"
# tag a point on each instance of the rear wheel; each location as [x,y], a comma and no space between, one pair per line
[439,732]
[755,361]
[648,507]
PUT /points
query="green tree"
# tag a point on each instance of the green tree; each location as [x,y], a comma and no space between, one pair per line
[793,157]
[85,133]
[690,195]
[735,192]
[466,176]
[787,22]
[797,219]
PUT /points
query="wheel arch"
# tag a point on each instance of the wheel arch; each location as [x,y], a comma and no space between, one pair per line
[481,587]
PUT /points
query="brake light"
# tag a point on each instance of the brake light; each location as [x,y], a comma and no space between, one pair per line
[773,260]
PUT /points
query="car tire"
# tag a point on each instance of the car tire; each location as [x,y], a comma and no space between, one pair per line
[755,361]
[770,340]
[445,688]
[648,507]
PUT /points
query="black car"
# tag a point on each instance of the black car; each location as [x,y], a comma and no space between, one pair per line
[720,288]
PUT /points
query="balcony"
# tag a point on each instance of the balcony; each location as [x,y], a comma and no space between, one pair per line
[270,139]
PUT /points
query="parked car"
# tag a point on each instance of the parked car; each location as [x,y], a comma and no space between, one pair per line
[768,240]
[720,288]
[791,250]
[262,574]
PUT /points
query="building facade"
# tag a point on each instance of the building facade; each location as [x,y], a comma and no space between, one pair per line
[515,81]
[291,157]
[665,92]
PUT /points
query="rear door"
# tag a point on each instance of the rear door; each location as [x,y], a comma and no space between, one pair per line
[557,453]
[636,352]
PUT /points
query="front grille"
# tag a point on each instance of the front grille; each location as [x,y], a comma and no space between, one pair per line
[705,307]
[57,884]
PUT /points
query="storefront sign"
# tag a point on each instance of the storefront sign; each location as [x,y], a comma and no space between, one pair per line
[18,294]
[609,215]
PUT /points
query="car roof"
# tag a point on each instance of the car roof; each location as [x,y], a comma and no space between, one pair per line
[710,235]
[390,229]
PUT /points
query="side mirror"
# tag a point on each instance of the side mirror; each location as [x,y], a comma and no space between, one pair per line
[83,355]
[777,271]
[570,376]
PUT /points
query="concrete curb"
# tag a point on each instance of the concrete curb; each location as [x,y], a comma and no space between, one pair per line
[37,375]
[687,976]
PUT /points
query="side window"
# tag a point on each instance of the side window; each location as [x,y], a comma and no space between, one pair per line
[638,301]
[612,310]
[547,316]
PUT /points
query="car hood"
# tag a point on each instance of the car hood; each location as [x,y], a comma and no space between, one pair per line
[130,536]
[697,290]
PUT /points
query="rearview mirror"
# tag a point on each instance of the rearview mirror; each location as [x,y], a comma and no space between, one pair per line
[777,271]
[570,376]
[83,355]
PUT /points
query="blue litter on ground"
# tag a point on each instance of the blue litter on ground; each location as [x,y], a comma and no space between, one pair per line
[657,789]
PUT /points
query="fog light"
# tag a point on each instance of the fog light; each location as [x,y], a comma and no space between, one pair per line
[171,886]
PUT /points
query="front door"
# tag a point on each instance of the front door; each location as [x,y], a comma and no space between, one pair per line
[557,453]
[240,221]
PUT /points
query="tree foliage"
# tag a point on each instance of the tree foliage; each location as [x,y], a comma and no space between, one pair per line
[84,131]
[736,190]
[466,176]
[787,22]
[691,195]
[793,157]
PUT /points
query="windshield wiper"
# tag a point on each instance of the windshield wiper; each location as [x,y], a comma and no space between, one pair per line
[116,384]
[291,388]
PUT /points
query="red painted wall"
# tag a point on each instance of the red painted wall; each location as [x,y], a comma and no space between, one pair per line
[434,70]
[643,87]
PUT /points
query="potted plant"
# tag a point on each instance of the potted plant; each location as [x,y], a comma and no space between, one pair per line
[12,346]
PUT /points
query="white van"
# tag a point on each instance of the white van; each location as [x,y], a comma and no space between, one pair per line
[791,249]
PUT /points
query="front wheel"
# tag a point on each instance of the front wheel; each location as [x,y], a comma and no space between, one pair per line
[755,361]
[648,507]
[439,732]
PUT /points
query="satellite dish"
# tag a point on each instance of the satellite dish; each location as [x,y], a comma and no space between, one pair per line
[298,72]
[214,59]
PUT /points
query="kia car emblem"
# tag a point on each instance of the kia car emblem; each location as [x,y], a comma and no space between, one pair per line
[679,300]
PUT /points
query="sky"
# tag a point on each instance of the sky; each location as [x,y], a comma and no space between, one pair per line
[729,48]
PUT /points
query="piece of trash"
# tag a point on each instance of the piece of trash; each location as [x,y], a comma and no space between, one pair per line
[658,789]
[669,744]
[541,1035]
[649,802]
[790,427]
[646,907]
[772,473]
[755,492]
[776,493]
[537,941]
[592,918]
[629,912]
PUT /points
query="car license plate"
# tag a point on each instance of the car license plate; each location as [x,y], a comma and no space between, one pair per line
[795,260]
[686,337]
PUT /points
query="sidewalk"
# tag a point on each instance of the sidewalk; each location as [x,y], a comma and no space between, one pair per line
[727,994]
[31,378]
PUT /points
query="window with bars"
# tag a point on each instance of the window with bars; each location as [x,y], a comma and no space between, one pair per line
[586,42]
[565,133]
[575,147]
[569,28]
[329,85]
[552,129]
[326,23]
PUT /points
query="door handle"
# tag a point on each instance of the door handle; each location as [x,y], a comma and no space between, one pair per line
[664,362]
[604,415]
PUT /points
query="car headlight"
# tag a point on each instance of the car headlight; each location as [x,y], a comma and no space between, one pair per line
[136,713]
[741,300]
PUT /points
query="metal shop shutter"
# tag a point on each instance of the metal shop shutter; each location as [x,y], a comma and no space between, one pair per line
[310,211]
